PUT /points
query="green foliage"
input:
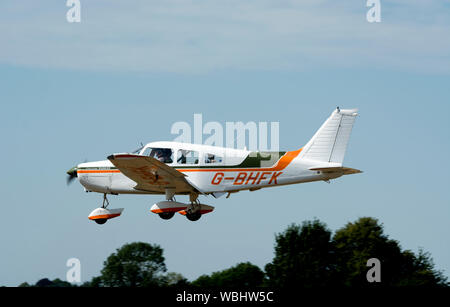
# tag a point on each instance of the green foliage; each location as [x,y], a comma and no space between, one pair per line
[303,256]
[96,282]
[240,276]
[134,265]
[24,285]
[358,242]
[47,283]
[364,239]
[307,256]
[173,279]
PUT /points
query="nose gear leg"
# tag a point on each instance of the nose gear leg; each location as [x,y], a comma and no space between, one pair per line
[105,200]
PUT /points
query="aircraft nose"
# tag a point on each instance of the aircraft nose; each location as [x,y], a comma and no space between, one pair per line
[72,174]
[72,171]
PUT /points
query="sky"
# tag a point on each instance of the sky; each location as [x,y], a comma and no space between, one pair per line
[74,92]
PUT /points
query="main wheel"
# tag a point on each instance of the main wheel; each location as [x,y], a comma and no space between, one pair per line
[194,216]
[166,215]
[100,221]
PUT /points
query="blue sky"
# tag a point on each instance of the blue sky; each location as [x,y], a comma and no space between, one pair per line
[127,72]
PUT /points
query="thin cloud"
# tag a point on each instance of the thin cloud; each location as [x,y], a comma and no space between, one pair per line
[206,35]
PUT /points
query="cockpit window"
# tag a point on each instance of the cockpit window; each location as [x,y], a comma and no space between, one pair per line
[137,151]
[212,158]
[164,155]
[187,157]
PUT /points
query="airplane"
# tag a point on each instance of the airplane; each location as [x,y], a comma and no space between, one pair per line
[174,168]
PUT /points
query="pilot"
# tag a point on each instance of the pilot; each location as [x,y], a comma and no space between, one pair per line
[163,155]
[159,155]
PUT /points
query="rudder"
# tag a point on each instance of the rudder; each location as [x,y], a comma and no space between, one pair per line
[329,144]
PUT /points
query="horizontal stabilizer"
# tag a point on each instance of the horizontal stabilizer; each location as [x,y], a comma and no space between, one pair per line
[344,170]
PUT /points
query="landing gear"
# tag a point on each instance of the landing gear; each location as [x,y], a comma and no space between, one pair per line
[105,200]
[170,197]
[193,212]
[166,215]
[167,209]
[102,215]
[195,216]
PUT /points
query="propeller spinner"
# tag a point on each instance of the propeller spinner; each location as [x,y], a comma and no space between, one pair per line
[72,175]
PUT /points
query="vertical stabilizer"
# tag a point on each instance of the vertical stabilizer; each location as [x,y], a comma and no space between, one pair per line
[329,144]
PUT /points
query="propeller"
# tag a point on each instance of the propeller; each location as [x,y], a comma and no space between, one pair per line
[72,175]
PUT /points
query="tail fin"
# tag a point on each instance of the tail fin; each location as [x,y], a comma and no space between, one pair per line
[330,141]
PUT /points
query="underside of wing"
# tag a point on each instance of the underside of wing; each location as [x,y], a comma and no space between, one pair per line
[150,174]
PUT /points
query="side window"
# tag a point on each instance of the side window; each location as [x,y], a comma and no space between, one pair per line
[212,158]
[187,157]
[164,155]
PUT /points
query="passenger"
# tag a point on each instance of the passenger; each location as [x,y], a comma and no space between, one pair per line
[210,159]
[160,155]
[182,159]
[167,153]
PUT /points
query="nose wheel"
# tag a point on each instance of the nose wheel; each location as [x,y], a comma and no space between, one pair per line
[102,215]
[105,201]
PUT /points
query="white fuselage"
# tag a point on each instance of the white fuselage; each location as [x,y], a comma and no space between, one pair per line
[233,170]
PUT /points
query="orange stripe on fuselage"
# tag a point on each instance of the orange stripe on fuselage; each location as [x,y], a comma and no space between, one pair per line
[88,171]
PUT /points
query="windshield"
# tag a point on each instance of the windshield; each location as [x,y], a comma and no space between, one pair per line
[137,151]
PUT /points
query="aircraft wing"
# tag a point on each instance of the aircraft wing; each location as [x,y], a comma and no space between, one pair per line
[150,174]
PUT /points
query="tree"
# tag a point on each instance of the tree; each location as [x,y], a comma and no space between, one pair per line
[45,282]
[173,279]
[307,256]
[357,242]
[303,257]
[24,285]
[95,282]
[240,276]
[135,264]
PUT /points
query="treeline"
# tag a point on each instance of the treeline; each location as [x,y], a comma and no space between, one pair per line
[306,255]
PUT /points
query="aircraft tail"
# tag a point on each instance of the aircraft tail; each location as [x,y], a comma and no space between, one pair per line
[329,144]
